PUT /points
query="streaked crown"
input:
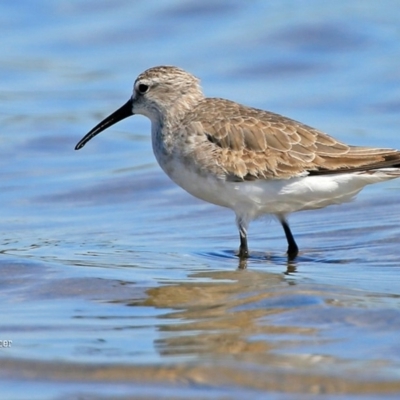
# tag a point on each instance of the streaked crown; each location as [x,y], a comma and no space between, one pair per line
[165,90]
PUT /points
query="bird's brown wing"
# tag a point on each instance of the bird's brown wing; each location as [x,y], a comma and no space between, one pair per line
[250,144]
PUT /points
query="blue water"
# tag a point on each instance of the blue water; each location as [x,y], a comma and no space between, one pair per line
[117,284]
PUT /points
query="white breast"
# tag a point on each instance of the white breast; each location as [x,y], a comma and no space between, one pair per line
[255,198]
[280,197]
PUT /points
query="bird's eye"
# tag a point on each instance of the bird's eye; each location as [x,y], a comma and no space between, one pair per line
[142,88]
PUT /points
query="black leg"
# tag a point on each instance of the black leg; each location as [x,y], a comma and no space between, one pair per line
[243,249]
[293,250]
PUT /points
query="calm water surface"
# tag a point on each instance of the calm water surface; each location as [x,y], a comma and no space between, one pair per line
[117,284]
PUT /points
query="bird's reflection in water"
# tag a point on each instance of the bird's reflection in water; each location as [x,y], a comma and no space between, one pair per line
[291,264]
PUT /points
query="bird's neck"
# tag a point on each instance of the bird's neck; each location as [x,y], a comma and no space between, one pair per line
[173,115]
[168,120]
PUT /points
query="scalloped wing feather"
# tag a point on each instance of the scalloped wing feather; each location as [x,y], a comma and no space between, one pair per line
[248,144]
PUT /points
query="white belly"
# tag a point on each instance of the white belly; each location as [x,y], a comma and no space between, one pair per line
[279,197]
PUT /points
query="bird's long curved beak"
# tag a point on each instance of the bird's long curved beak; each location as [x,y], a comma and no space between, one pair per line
[124,112]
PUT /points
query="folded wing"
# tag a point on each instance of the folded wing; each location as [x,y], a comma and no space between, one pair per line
[253,144]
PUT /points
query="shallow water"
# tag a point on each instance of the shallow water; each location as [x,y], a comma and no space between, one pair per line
[117,284]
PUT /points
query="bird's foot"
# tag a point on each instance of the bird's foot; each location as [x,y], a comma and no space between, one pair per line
[292,252]
[243,253]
